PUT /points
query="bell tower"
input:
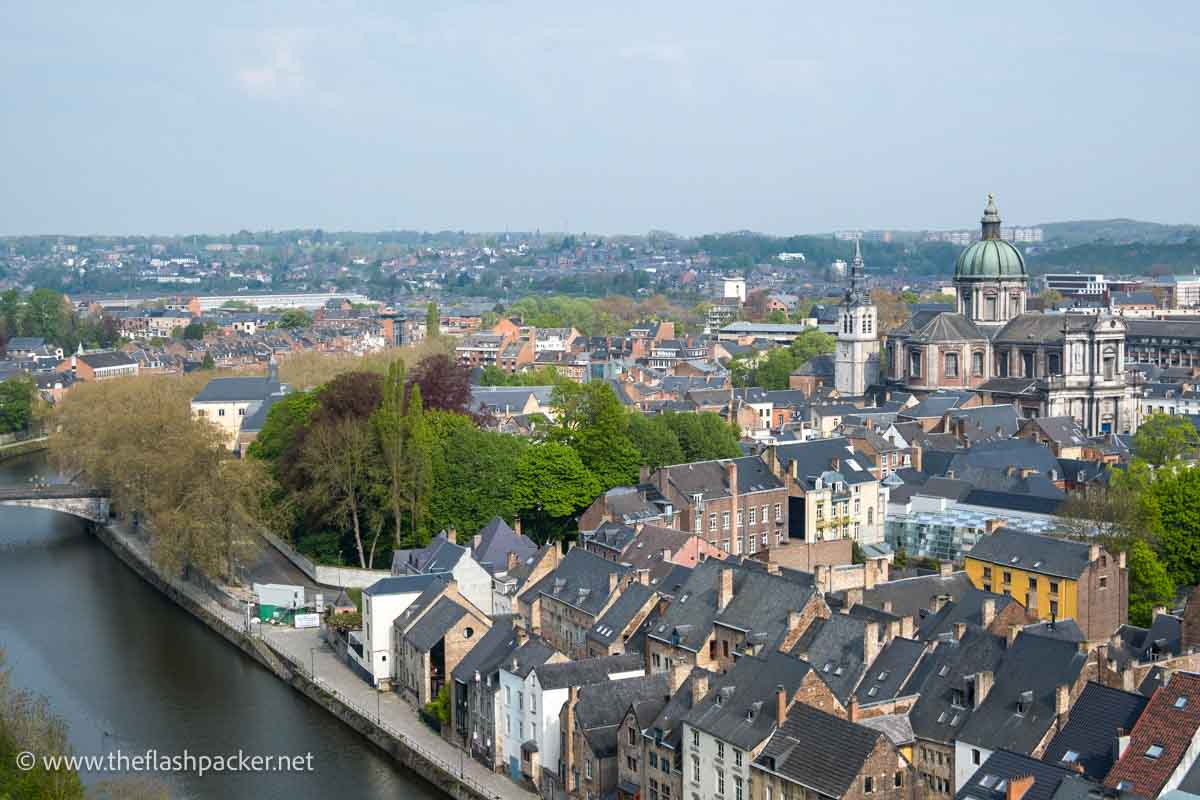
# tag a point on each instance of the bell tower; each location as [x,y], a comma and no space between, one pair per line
[856,364]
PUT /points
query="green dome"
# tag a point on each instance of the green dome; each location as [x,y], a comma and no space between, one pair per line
[990,259]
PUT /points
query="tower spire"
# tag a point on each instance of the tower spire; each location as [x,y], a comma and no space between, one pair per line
[857,293]
[991,219]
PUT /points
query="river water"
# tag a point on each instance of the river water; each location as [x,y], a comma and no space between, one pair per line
[130,671]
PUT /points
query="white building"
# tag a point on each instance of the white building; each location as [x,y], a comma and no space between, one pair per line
[444,556]
[225,402]
[734,288]
[382,603]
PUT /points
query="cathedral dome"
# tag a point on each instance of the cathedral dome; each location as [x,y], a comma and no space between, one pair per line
[991,258]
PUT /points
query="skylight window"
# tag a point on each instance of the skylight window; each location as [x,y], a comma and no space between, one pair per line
[883,676]
[1070,757]
[828,667]
[1037,564]
[874,690]
[1181,702]
[1154,751]
[941,717]
[988,781]
[943,671]
[1014,559]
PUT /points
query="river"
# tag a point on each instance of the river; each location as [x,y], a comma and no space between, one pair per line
[131,671]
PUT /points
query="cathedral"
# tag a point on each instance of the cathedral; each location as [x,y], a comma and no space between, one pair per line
[1045,364]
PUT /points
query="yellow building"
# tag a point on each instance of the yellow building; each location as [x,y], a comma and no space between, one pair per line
[1054,578]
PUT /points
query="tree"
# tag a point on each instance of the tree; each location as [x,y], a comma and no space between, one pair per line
[704,436]
[551,485]
[208,362]
[445,386]
[46,314]
[295,318]
[17,397]
[461,455]
[1165,437]
[890,310]
[194,331]
[810,344]
[337,460]
[656,442]
[592,421]
[433,321]
[1174,497]
[286,417]
[1149,583]
[389,429]
[27,725]
[418,456]
[908,297]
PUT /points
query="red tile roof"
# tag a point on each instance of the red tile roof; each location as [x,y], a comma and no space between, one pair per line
[1162,725]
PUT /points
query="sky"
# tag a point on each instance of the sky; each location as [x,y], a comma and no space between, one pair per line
[693,117]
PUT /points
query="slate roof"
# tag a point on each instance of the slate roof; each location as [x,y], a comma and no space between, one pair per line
[968,608]
[1162,638]
[1034,664]
[934,406]
[1062,430]
[620,614]
[813,458]
[895,727]
[739,708]
[530,655]
[1000,419]
[1009,385]
[496,541]
[708,478]
[115,358]
[819,751]
[1065,629]
[404,584]
[233,390]
[1033,553]
[24,343]
[440,555]
[947,327]
[1163,724]
[885,677]
[1098,715]
[601,707]
[1030,328]
[909,596]
[834,647]
[565,674]
[940,679]
[760,604]
[580,580]
[817,366]
[990,781]
[434,624]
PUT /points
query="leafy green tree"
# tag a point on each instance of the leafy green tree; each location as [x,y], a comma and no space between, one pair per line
[704,436]
[656,442]
[28,725]
[810,344]
[208,362]
[551,485]
[295,318]
[46,314]
[778,317]
[433,321]
[1174,497]
[909,297]
[286,417]
[1166,437]
[388,420]
[473,473]
[439,706]
[1150,584]
[17,397]
[194,330]
[418,457]
[592,421]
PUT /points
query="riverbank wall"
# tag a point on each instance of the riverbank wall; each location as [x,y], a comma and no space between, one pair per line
[23,447]
[323,574]
[442,775]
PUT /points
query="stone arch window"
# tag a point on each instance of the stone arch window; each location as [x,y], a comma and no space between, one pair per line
[1002,364]
[977,363]
[1027,364]
[1014,304]
[1053,364]
[950,368]
[1110,363]
[991,303]
[914,363]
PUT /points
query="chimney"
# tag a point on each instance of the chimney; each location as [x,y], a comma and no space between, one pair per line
[917,454]
[945,568]
[516,526]
[451,535]
[1017,787]
[854,597]
[994,525]
[511,562]
[983,685]
[887,607]
[676,677]
[780,705]
[794,471]
[794,620]
[1062,703]
[1013,632]
[519,632]
[643,474]
[989,611]
[724,588]
[568,757]
[699,687]
[1093,552]
[613,579]
[821,577]
[731,477]
[476,541]
[870,643]
[960,630]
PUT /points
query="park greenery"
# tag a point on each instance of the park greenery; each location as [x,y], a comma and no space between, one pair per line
[770,369]
[369,462]
[1150,510]
[18,403]
[46,314]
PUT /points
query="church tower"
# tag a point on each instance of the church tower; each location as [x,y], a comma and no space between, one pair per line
[856,364]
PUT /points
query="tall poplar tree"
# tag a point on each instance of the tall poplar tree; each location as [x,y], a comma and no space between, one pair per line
[419,455]
[390,429]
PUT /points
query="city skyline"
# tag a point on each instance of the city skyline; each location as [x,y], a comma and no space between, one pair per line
[781,120]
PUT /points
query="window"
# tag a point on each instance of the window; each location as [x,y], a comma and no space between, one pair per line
[712,522]
[950,370]
[779,513]
[1053,587]
[870,517]
[725,521]
[868,784]
[898,780]
[720,781]
[737,788]
[220,412]
[1070,757]
[653,759]
[725,653]
[696,768]
[507,696]
[521,700]
[1103,581]
[914,363]
[976,758]
[977,363]
[1007,576]
[753,515]
[737,757]
[631,763]
[763,515]
[1154,751]
[633,736]
[741,521]
[1181,702]
[588,766]
[721,745]
[695,738]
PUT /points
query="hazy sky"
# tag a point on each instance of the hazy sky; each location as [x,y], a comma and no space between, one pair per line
[176,117]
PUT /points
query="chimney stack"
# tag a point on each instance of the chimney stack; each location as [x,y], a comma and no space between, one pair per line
[1094,552]
[452,535]
[613,579]
[1013,632]
[854,597]
[517,526]
[731,477]
[699,687]
[870,643]
[989,611]
[677,676]
[1017,787]
[511,562]
[960,630]
[983,685]
[945,568]
[519,632]
[724,588]
[1062,703]
[780,705]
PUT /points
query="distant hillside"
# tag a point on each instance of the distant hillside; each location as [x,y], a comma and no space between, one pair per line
[1118,231]
[1138,258]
